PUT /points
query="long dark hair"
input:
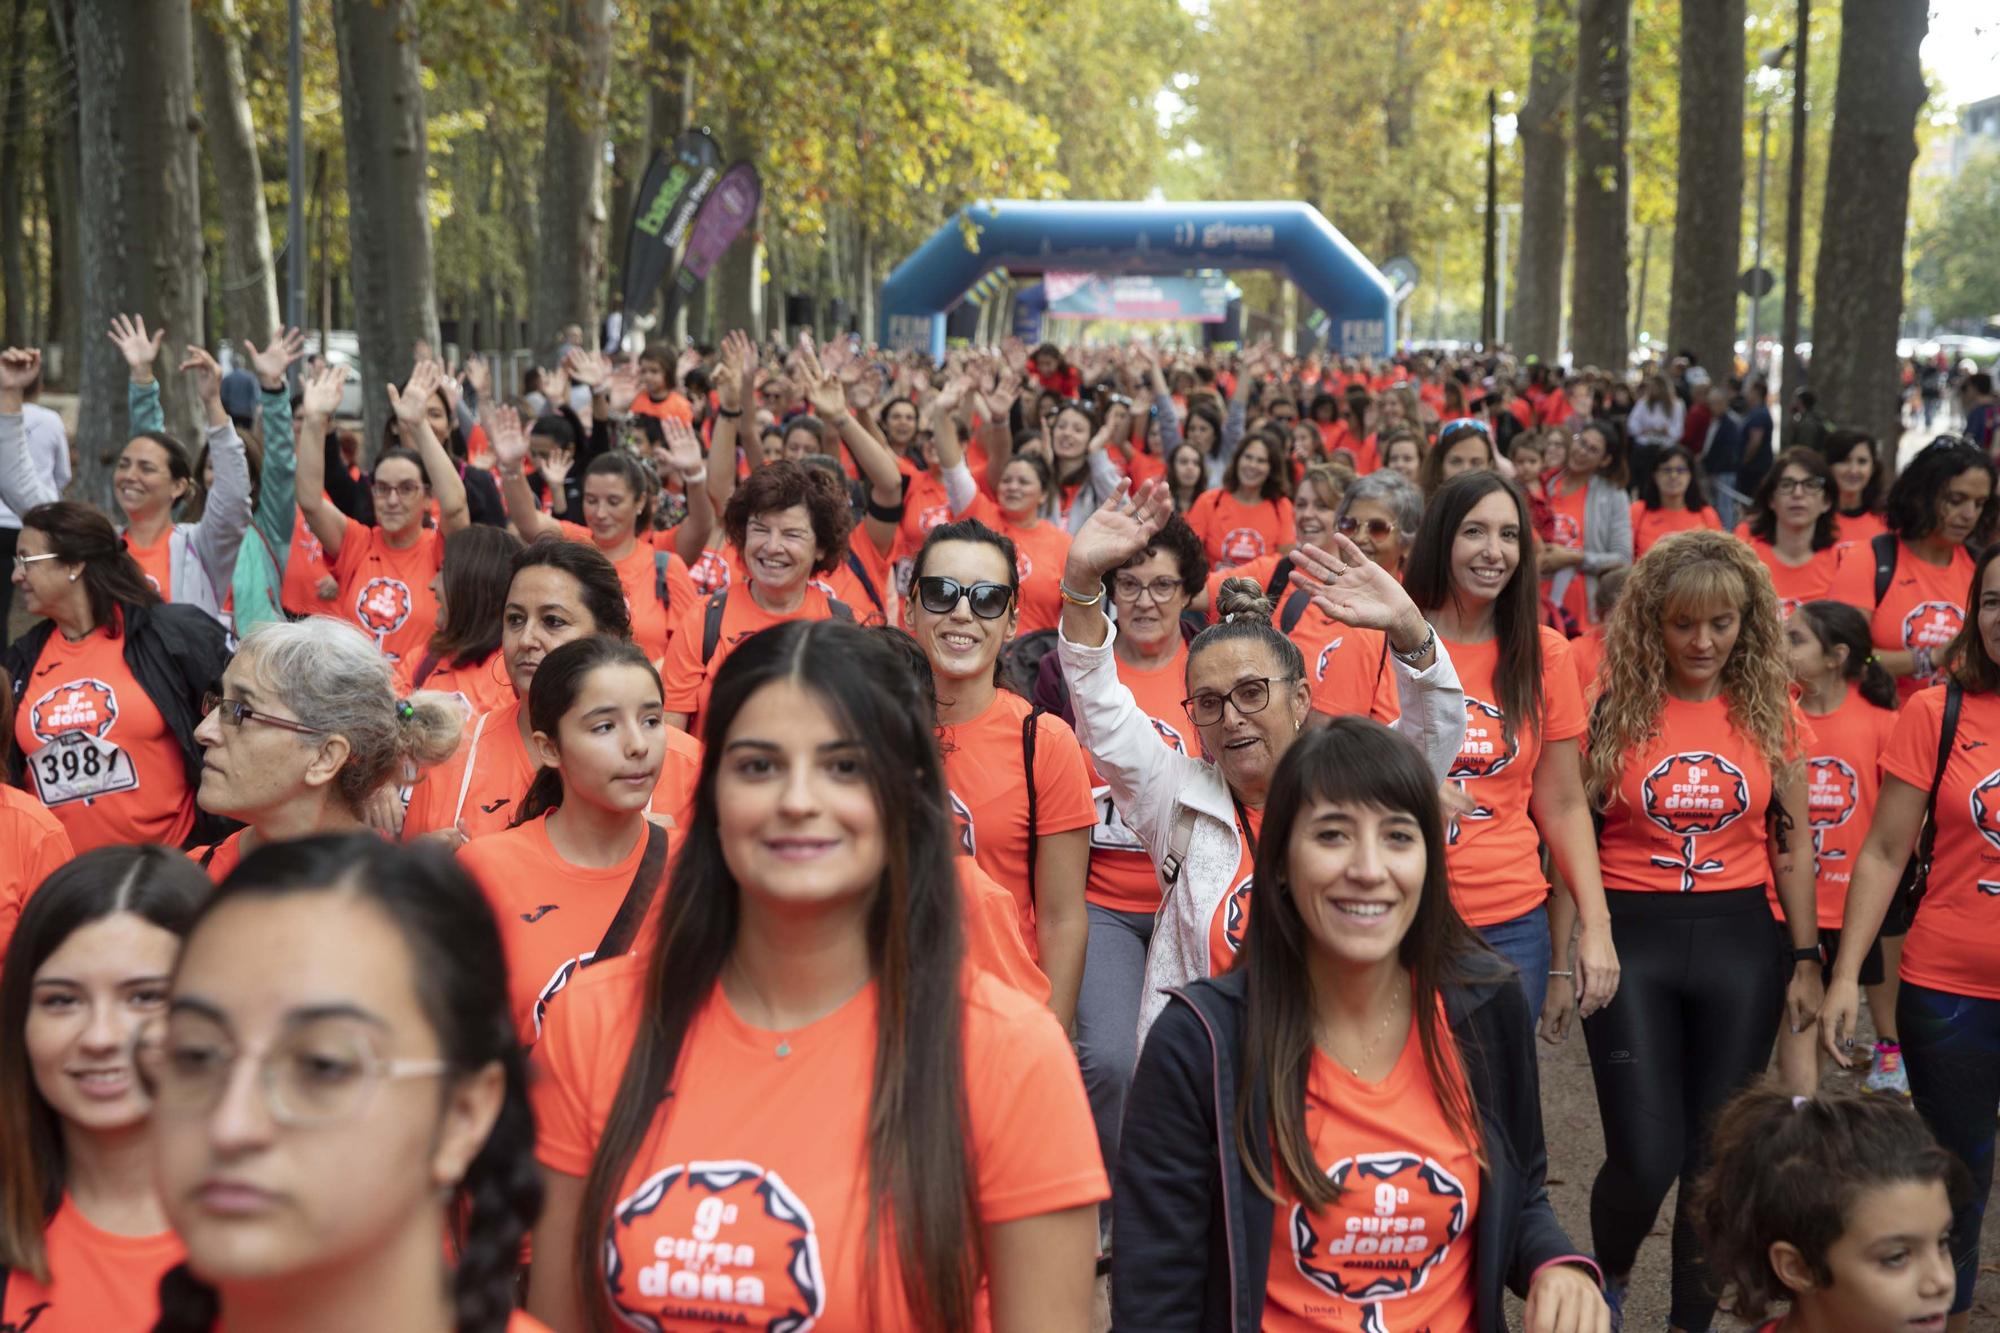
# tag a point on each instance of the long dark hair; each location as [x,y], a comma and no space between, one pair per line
[79,535]
[1836,624]
[156,884]
[1837,445]
[918,1171]
[1517,612]
[1966,657]
[553,692]
[1277,476]
[453,941]
[1649,485]
[1352,761]
[595,575]
[1911,511]
[637,478]
[478,566]
[1764,518]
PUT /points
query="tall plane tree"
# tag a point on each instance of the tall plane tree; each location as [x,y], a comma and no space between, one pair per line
[249,294]
[388,217]
[1708,203]
[1858,288]
[569,271]
[1600,319]
[1536,320]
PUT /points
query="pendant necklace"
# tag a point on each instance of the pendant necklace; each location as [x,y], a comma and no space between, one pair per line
[784,1046]
[1368,1051]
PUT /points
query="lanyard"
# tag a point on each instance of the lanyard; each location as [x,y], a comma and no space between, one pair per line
[1243,823]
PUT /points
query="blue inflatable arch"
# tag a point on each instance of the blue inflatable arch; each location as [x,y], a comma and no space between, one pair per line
[1027,236]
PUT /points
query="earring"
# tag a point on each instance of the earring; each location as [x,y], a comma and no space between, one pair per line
[72,576]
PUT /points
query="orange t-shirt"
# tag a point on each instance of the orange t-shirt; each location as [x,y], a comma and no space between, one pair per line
[715,570]
[1395,1250]
[1234,533]
[1494,852]
[1348,666]
[552,912]
[481,786]
[99,1282]
[687,677]
[388,592]
[1843,778]
[305,566]
[1860,528]
[1566,531]
[218,859]
[1649,525]
[993,933]
[1232,912]
[102,757]
[1688,815]
[746,1203]
[1924,606]
[1953,943]
[638,573]
[33,845]
[925,506]
[1586,655]
[675,405]
[1797,585]
[156,562]
[1122,877]
[1367,455]
[1039,555]
[985,770]
[482,686]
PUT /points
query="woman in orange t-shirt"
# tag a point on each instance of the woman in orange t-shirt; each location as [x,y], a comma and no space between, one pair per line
[561,591]
[962,611]
[308,735]
[33,844]
[1948,1005]
[83,1236]
[463,657]
[1022,511]
[1516,785]
[1670,500]
[833,1063]
[1250,515]
[1859,484]
[577,853]
[388,1101]
[1791,529]
[1592,518]
[1695,758]
[1323,1087]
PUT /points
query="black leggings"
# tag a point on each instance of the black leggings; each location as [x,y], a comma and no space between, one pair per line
[1700,993]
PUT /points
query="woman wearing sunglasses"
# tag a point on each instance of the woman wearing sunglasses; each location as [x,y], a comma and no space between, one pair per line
[307,736]
[1247,697]
[335,1087]
[108,685]
[1029,832]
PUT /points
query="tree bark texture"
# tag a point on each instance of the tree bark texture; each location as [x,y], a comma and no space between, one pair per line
[388,219]
[1708,201]
[1603,183]
[14,323]
[1535,322]
[249,290]
[1795,200]
[60,167]
[1858,289]
[139,222]
[570,261]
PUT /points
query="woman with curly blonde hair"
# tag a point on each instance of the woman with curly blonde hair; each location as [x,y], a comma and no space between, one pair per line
[1693,765]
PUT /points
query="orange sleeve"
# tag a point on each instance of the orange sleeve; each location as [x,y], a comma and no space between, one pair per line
[1287,534]
[1912,750]
[1062,779]
[680,770]
[1034,1145]
[575,1051]
[353,546]
[680,679]
[993,933]
[1200,514]
[1563,715]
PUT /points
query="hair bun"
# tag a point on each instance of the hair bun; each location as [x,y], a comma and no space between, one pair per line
[1242,599]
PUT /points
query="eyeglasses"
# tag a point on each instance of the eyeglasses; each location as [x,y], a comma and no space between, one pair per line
[1249,696]
[235,713]
[409,490]
[316,1073]
[940,596]
[1800,485]
[1378,529]
[1127,589]
[21,562]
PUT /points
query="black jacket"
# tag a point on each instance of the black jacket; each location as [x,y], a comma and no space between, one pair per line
[1191,1235]
[175,652]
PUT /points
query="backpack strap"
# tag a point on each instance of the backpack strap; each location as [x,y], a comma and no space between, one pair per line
[860,572]
[661,563]
[711,623]
[1177,846]
[1954,698]
[425,666]
[624,927]
[1294,610]
[1883,544]
[465,780]
[1281,577]
[207,855]
[1029,726]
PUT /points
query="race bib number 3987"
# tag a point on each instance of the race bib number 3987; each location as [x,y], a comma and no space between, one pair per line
[79,767]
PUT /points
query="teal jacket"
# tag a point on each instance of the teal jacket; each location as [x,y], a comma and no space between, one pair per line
[258,580]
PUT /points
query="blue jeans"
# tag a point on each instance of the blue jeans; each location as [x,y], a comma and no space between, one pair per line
[1951,1049]
[1524,942]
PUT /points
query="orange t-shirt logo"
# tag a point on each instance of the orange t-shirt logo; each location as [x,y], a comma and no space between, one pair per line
[1832,788]
[1486,750]
[382,605]
[710,574]
[932,517]
[88,705]
[1242,545]
[731,1244]
[1236,913]
[1986,818]
[1564,531]
[1932,625]
[1386,1247]
[1325,656]
[1689,795]
[961,814]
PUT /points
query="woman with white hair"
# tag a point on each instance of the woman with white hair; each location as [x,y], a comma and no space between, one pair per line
[307,732]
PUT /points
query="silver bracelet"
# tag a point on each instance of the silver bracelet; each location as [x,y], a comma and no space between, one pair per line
[1570,972]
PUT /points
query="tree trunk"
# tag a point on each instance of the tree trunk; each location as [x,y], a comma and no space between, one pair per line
[249,294]
[61,166]
[570,264]
[13,134]
[1603,180]
[1858,289]
[391,271]
[139,223]
[1535,322]
[1795,200]
[1708,206]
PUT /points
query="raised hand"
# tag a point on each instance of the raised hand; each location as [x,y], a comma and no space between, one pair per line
[683,448]
[621,389]
[480,376]
[556,466]
[953,393]
[504,433]
[207,376]
[591,368]
[19,367]
[1004,394]
[270,364]
[824,391]
[1117,531]
[426,378]
[139,348]
[689,359]
[555,387]
[322,392]
[1351,588]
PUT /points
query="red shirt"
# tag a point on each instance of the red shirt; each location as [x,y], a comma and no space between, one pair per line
[156,562]
[1233,533]
[687,677]
[33,846]
[1797,584]
[305,566]
[99,1282]
[1954,944]
[1923,607]
[1232,912]
[1860,528]
[1649,525]
[1566,531]
[1039,554]
[387,591]
[639,575]
[1843,779]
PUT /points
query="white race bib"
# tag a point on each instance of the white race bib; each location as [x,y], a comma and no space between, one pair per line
[78,767]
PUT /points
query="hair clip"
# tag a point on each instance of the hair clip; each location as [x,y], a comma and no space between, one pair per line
[1799,1103]
[405,710]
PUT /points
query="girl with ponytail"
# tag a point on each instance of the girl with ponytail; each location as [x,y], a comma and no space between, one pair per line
[386,1103]
[578,848]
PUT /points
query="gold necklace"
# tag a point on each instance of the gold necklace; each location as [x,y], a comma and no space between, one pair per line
[1368,1051]
[784,1046]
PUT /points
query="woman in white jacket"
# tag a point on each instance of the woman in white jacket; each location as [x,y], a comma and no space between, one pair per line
[1248,697]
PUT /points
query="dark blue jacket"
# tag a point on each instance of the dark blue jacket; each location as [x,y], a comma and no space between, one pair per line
[1191,1234]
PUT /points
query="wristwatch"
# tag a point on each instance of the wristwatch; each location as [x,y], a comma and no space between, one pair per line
[1806,955]
[1421,651]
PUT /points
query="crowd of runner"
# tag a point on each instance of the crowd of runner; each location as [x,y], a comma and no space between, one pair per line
[819,838]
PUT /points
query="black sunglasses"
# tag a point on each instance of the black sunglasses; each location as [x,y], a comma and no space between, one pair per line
[940,596]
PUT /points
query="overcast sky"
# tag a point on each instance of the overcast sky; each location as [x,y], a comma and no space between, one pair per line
[1963,49]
